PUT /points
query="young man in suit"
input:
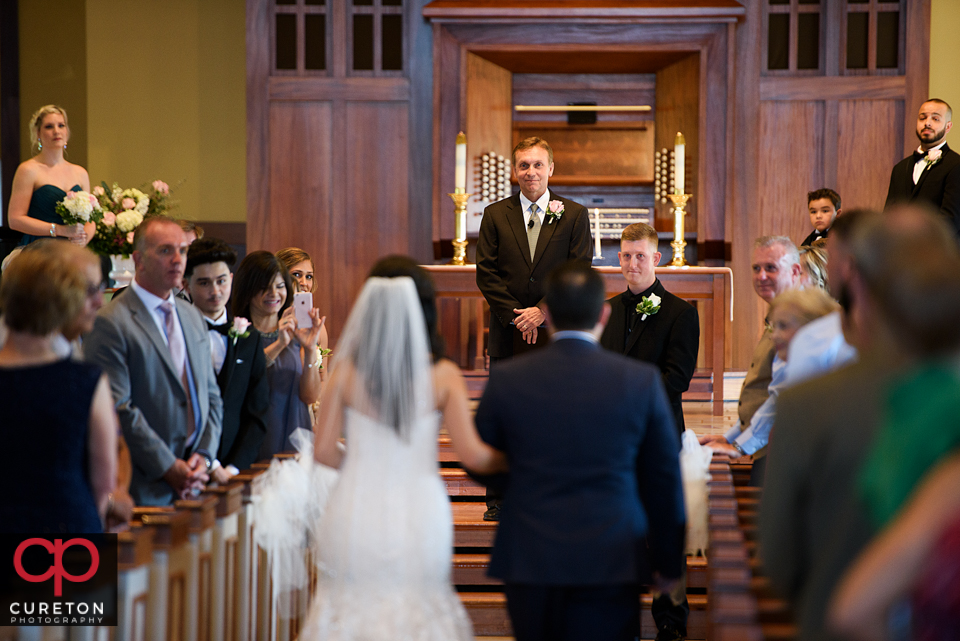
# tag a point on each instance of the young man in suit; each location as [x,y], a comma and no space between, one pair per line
[593,504]
[932,173]
[667,337]
[522,238]
[156,351]
[238,357]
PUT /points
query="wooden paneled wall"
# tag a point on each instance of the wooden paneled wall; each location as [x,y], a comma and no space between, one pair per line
[678,110]
[331,168]
[797,134]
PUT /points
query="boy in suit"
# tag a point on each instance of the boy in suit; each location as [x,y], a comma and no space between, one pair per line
[237,355]
[824,207]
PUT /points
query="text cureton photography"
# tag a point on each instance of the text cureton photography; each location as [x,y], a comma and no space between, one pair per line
[59,579]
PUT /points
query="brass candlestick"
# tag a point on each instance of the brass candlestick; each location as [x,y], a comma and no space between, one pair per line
[460,198]
[679,202]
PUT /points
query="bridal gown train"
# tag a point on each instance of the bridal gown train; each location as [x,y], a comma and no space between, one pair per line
[384,542]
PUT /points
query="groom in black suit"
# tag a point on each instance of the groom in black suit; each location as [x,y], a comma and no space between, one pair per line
[932,173]
[521,239]
[238,360]
[593,504]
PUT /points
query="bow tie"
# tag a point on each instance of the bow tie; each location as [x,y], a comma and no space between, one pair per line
[919,155]
[223,328]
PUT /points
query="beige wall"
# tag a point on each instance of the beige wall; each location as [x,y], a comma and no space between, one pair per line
[944,80]
[53,69]
[154,89]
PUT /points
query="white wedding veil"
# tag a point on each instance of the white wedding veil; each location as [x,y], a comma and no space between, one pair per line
[385,344]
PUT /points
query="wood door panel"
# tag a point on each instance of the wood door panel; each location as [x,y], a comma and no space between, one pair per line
[301,159]
[789,165]
[373,188]
[865,157]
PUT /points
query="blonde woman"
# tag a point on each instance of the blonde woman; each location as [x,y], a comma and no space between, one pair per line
[44,180]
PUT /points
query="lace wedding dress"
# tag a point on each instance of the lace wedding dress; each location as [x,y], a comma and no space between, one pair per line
[384,542]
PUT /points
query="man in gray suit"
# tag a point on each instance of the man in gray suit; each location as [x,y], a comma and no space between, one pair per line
[813,520]
[156,351]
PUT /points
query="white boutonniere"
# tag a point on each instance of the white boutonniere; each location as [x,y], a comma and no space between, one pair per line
[554,211]
[933,157]
[648,306]
[240,329]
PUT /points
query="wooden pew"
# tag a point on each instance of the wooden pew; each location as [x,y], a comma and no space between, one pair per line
[169,569]
[134,558]
[226,580]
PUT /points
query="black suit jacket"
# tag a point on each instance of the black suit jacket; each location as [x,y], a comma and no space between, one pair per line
[594,468]
[506,276]
[246,399]
[669,339]
[939,185]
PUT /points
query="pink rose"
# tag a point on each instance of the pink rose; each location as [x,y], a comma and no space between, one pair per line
[93,200]
[161,187]
[109,218]
[128,203]
[130,237]
[934,155]
[555,207]
[98,191]
[240,325]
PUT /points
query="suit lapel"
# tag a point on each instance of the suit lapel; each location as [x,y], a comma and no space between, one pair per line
[640,325]
[616,327]
[144,319]
[926,171]
[229,361]
[515,218]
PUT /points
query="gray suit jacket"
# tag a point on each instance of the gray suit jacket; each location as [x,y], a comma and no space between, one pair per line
[813,522]
[150,399]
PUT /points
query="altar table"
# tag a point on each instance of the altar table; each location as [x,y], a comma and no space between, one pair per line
[459,324]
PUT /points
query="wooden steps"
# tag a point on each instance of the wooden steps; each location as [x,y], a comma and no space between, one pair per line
[488,611]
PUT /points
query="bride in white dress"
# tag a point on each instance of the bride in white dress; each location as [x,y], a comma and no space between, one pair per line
[384,541]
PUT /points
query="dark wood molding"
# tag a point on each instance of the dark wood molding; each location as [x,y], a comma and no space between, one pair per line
[833,88]
[582,10]
[231,233]
[320,88]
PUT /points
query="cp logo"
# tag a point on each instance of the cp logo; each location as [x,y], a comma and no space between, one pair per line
[56,570]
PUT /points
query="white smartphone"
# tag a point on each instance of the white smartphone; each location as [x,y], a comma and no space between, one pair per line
[302,304]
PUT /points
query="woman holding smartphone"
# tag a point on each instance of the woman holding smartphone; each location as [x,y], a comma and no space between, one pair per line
[263,293]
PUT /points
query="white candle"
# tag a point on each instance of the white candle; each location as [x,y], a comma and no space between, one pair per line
[460,175]
[596,234]
[679,151]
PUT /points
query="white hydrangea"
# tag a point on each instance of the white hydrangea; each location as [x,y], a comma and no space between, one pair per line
[129,220]
[143,201]
[80,204]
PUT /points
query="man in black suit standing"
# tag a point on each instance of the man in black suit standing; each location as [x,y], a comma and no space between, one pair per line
[932,173]
[593,503]
[668,336]
[237,354]
[521,239]
[652,325]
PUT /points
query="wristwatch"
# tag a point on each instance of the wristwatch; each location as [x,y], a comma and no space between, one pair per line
[738,448]
[53,230]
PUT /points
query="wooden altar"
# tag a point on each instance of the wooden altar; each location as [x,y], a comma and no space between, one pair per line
[463,314]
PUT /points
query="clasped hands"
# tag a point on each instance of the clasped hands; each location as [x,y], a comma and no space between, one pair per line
[719,444]
[188,478]
[527,321]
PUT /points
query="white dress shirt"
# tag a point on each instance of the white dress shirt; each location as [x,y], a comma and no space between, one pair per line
[218,342]
[542,203]
[817,348]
